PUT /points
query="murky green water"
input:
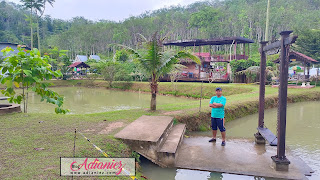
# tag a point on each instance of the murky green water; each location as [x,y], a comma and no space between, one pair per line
[82,100]
[303,138]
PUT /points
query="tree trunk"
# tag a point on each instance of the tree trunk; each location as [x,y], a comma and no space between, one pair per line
[31,30]
[110,83]
[38,34]
[154,89]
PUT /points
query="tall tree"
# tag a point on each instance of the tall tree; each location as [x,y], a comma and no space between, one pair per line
[267,22]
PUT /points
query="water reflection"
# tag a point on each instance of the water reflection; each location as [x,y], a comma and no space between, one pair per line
[82,100]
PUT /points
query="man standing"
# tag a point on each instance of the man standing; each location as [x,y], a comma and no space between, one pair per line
[217,104]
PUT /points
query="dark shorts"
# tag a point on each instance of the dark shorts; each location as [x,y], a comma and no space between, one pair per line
[217,122]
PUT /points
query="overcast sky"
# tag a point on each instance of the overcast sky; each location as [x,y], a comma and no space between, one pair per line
[116,10]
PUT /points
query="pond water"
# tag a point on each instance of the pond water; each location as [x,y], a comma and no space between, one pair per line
[302,137]
[81,100]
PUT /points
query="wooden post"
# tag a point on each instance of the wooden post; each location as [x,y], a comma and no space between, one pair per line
[235,50]
[200,61]
[258,137]
[280,162]
[304,71]
[263,62]
[308,72]
[200,97]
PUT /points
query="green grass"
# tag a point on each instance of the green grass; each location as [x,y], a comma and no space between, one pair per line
[21,133]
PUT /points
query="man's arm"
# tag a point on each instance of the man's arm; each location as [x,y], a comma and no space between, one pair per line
[215,105]
[212,105]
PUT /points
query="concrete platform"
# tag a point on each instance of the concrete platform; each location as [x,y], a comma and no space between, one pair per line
[155,138]
[9,108]
[4,98]
[239,156]
[146,128]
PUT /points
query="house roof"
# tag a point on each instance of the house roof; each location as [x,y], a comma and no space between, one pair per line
[203,42]
[299,57]
[79,64]
[14,44]
[82,58]
[95,57]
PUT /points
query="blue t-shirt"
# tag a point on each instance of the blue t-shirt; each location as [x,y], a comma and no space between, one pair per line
[218,112]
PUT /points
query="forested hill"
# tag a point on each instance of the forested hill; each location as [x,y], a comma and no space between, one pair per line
[199,20]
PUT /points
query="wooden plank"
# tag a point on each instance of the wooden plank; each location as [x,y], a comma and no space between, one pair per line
[277,44]
[268,135]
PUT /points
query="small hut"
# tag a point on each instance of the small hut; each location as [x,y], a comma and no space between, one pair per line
[79,68]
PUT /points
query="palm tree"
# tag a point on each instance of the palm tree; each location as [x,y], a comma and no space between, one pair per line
[30,4]
[39,7]
[156,62]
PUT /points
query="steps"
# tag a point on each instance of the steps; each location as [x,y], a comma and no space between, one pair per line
[168,151]
[154,137]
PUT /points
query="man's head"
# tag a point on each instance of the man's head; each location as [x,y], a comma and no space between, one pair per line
[218,92]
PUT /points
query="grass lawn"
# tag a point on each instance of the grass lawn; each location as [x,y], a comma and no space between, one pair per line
[21,133]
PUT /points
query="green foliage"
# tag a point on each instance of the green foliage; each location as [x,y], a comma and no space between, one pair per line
[252,73]
[136,156]
[124,71]
[254,60]
[109,71]
[121,55]
[7,36]
[1,59]
[308,43]
[208,19]
[239,65]
[29,69]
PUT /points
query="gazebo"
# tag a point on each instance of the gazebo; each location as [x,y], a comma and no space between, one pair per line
[205,72]
[78,66]
[304,59]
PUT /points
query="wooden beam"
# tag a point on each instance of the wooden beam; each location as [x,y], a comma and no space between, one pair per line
[277,44]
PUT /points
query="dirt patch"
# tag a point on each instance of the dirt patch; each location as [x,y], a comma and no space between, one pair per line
[173,112]
[111,127]
[89,130]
